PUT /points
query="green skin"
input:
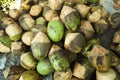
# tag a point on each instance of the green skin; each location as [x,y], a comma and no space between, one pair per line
[30,60]
[91,1]
[40,21]
[25,67]
[40,50]
[58,61]
[23,24]
[89,69]
[72,21]
[55,30]
[16,37]
[30,75]
[5,40]
[44,67]
[89,45]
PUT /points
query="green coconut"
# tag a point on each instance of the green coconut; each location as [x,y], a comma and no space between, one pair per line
[55,30]
[58,61]
[30,75]
[44,67]
[40,46]
[70,18]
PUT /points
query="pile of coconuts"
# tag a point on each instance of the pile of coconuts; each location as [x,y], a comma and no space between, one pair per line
[58,37]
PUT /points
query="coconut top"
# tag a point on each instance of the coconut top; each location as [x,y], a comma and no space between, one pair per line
[41,38]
